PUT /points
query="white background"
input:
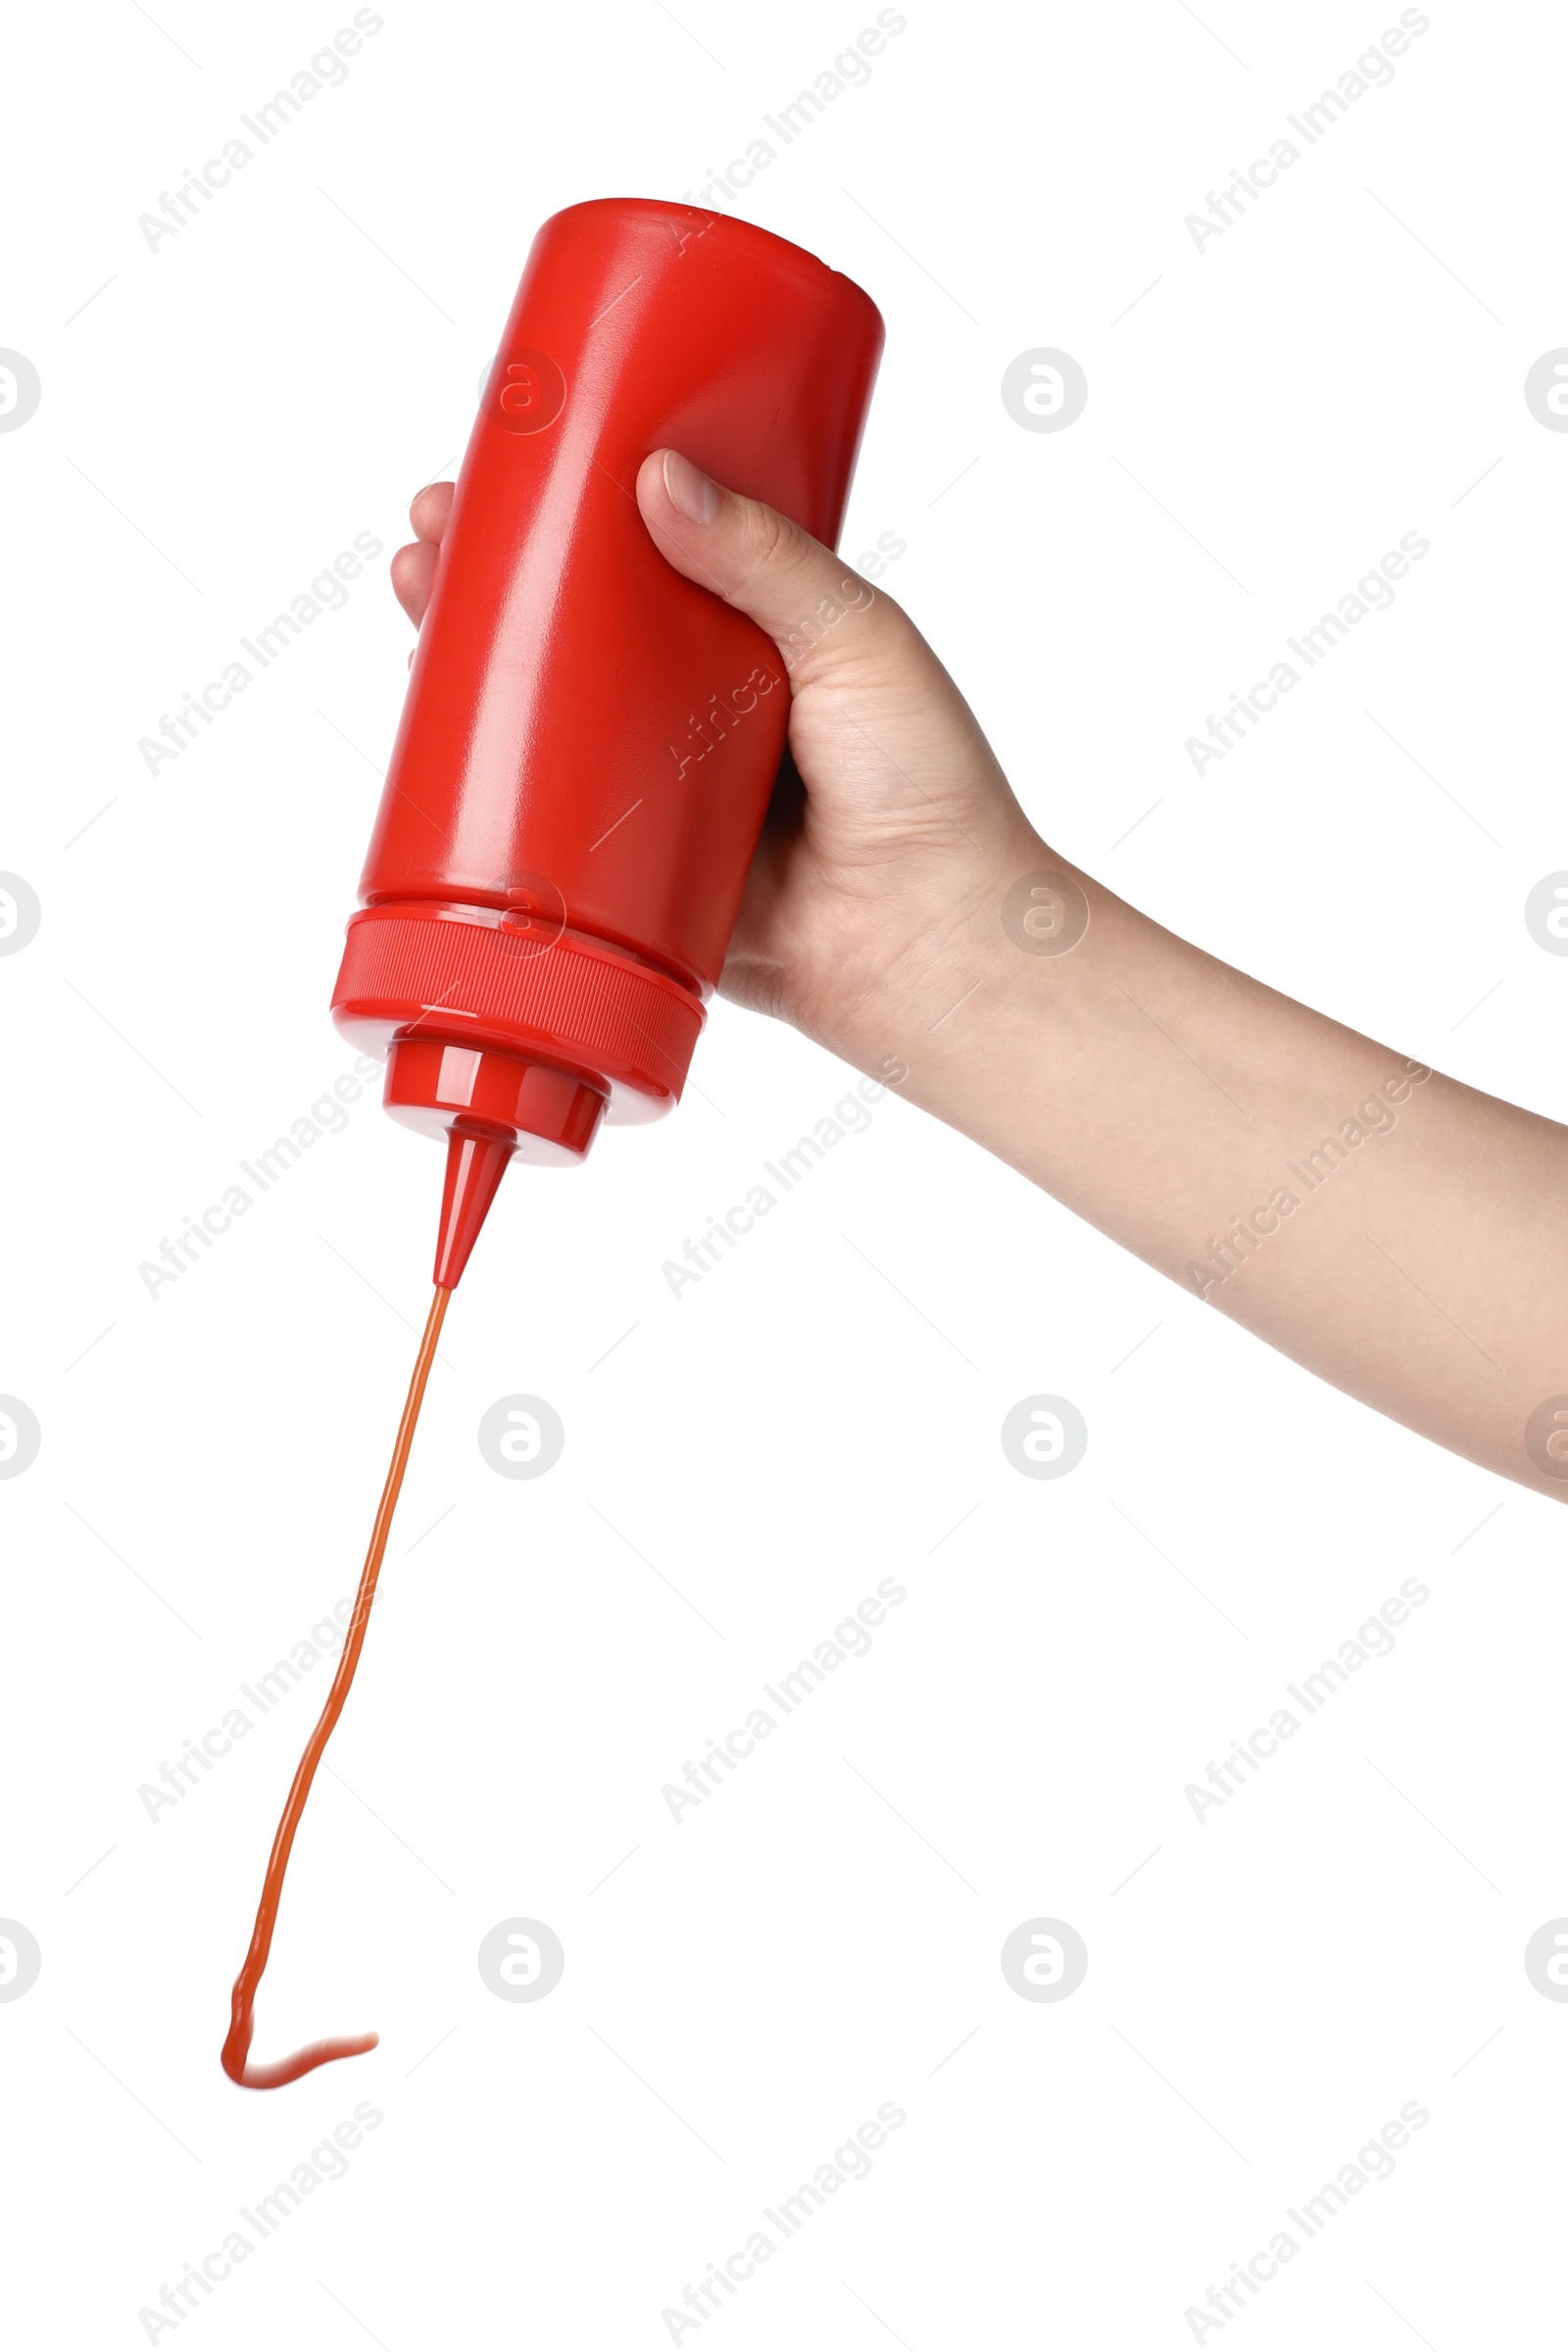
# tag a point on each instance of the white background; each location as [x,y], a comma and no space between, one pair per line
[1345,1934]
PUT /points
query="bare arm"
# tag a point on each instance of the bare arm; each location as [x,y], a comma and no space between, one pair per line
[1395,1232]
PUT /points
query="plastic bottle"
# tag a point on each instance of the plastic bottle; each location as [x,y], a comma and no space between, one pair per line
[586,753]
[589,740]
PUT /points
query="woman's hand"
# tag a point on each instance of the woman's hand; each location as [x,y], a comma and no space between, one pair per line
[1403,1235]
[893,835]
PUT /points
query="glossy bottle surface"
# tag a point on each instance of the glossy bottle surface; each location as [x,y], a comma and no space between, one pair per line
[589,741]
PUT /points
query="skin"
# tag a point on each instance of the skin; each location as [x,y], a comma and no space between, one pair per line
[1156,1092]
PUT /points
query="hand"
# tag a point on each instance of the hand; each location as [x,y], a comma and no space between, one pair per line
[1397,1233]
[893,835]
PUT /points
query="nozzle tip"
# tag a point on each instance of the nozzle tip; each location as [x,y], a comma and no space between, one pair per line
[476,1165]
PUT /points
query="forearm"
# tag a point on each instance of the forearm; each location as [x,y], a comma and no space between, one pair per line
[1398,1233]
[1395,1232]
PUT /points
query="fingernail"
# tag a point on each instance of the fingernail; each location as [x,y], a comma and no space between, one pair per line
[690,489]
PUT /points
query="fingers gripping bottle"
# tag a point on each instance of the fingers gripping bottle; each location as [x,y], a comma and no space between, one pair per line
[589,740]
[586,753]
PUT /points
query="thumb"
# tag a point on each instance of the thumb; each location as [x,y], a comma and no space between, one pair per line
[763,564]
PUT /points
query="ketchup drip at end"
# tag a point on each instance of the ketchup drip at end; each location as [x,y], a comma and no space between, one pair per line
[236,2047]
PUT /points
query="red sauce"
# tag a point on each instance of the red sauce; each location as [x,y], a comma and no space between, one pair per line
[236,2047]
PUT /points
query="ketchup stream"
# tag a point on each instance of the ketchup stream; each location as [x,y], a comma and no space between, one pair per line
[236,2046]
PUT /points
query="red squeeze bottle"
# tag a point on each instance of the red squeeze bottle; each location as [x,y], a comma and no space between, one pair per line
[587,747]
[589,740]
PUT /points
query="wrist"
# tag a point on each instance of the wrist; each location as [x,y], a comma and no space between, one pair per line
[953,1003]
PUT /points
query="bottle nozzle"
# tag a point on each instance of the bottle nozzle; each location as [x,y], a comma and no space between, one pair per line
[476,1165]
[490,1106]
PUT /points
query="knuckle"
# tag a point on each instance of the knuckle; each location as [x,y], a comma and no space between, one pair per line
[768,537]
